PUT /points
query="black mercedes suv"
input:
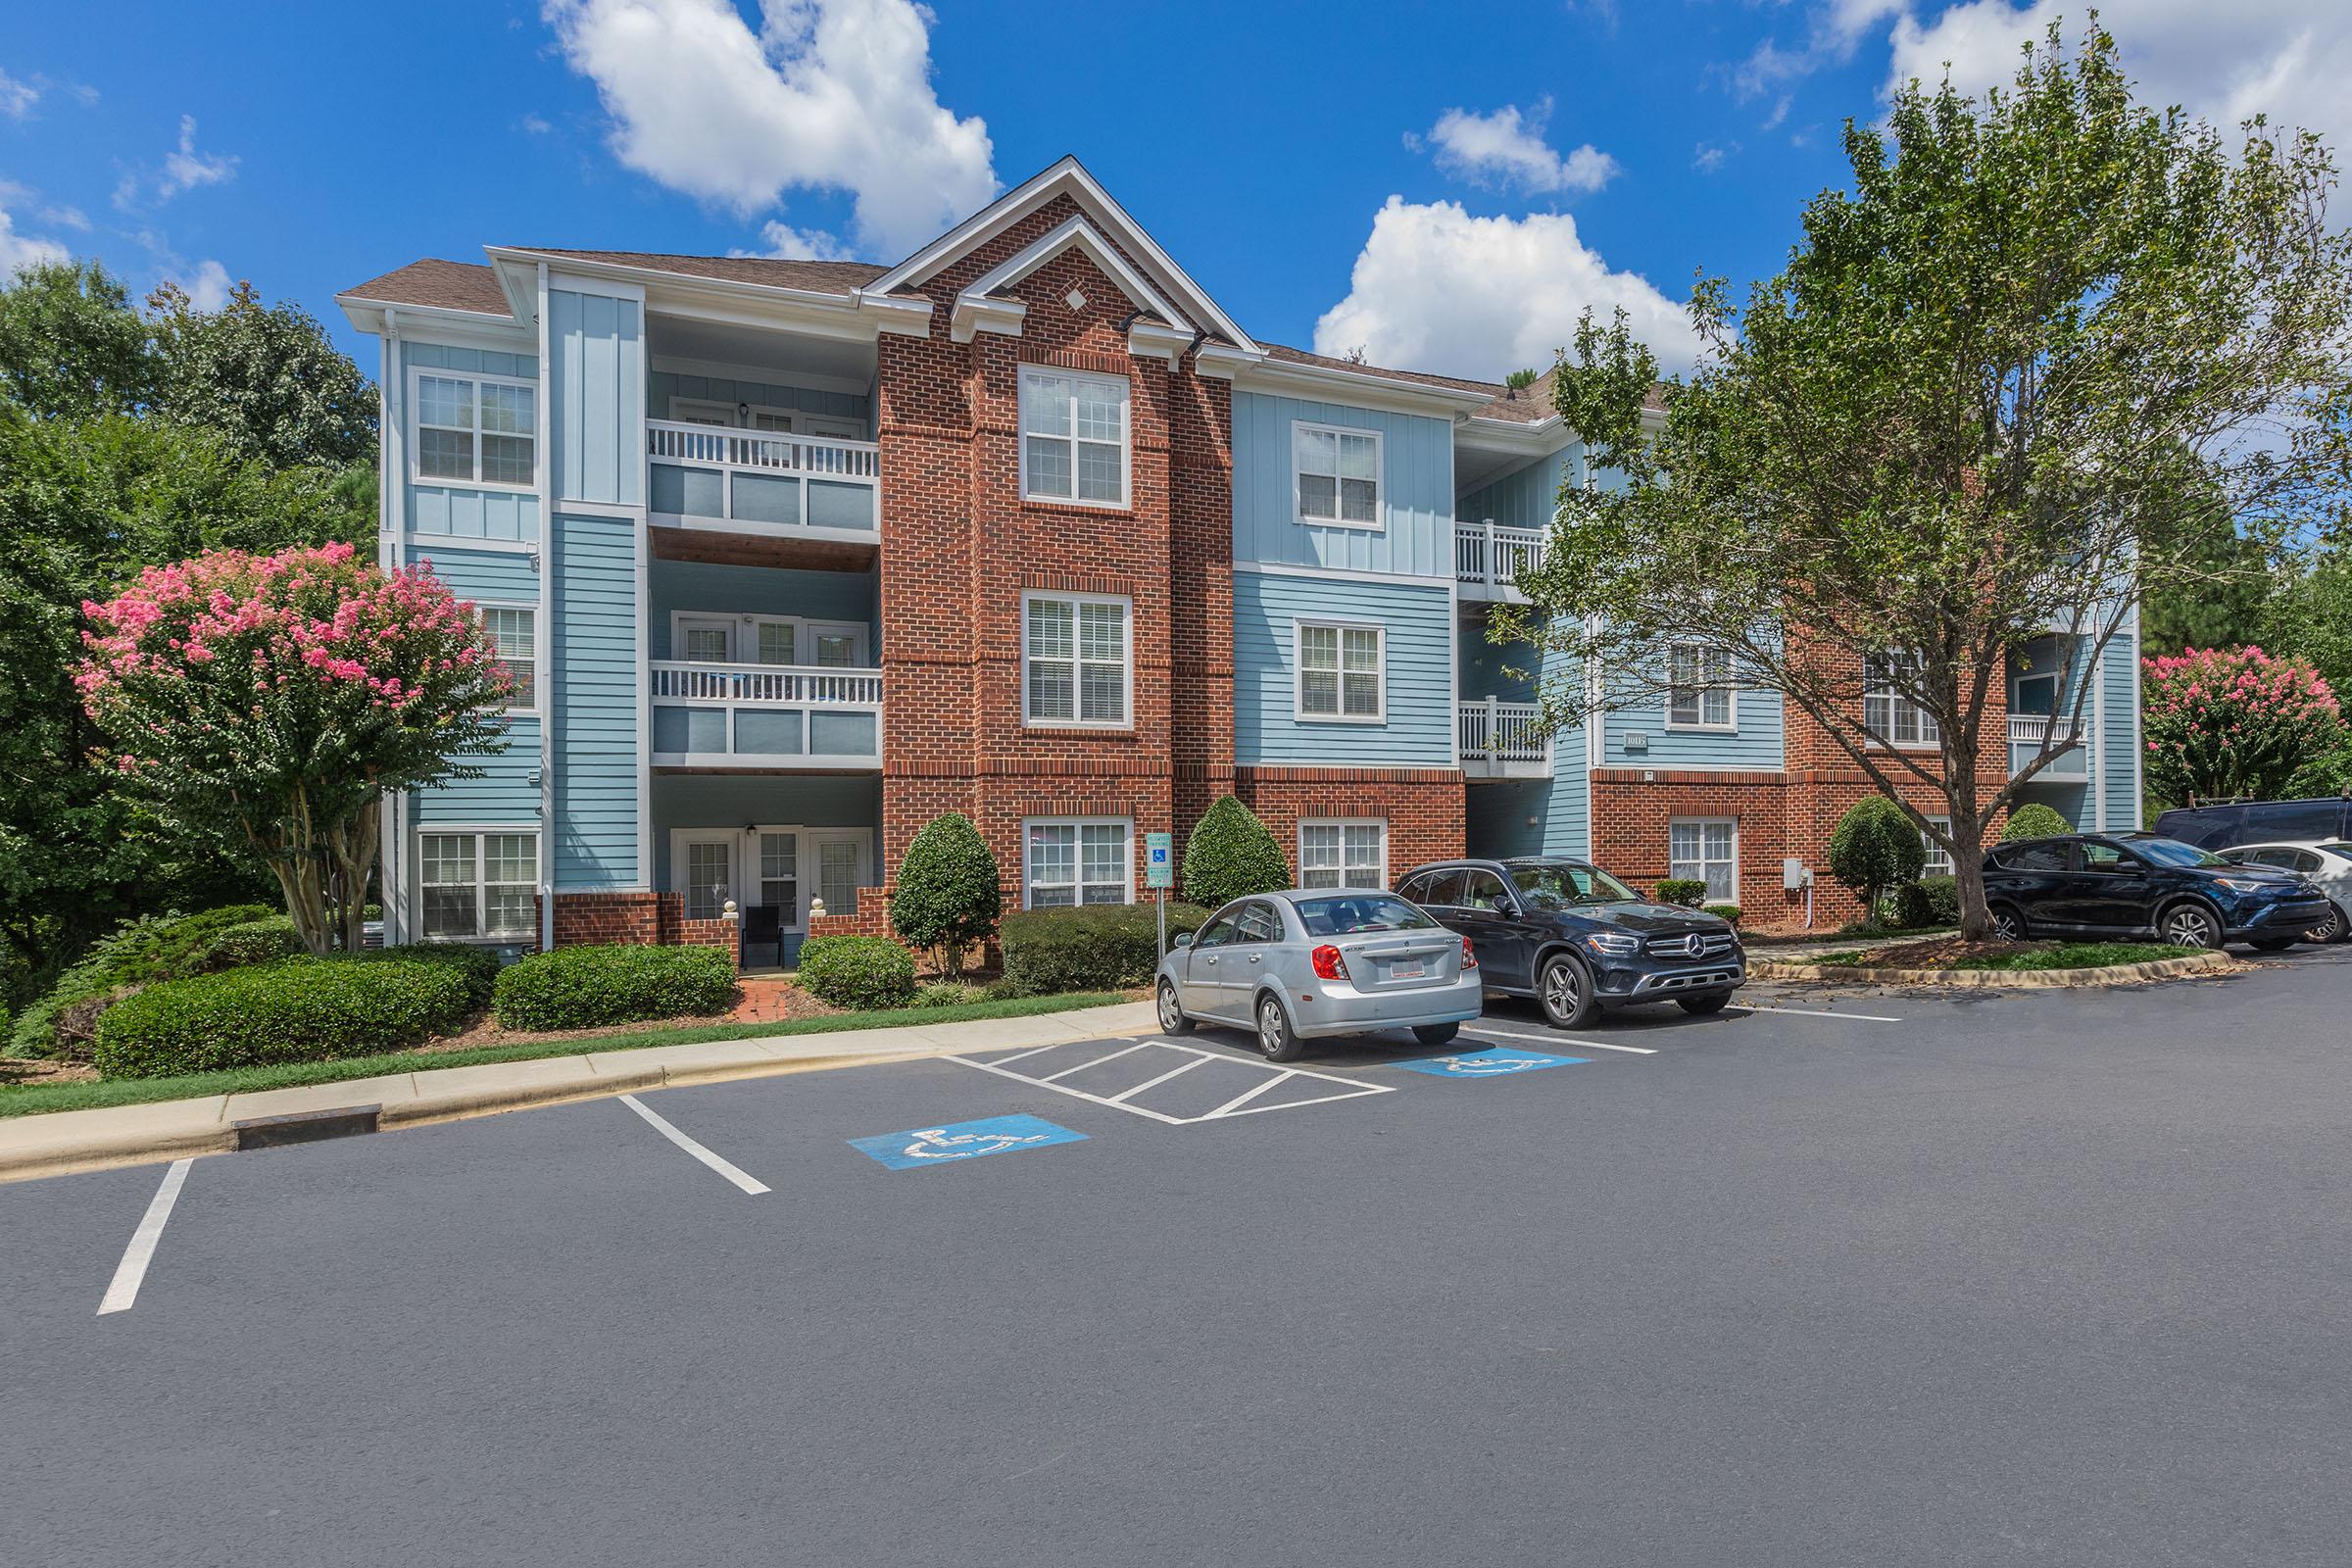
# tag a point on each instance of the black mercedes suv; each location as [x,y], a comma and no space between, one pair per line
[1578,940]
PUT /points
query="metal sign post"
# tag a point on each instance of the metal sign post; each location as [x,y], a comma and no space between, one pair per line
[1160,874]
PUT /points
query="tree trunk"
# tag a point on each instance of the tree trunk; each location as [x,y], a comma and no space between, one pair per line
[1968,875]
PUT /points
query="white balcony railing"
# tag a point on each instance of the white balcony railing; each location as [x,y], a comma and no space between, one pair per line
[785,716]
[1488,559]
[764,482]
[1497,738]
[2027,733]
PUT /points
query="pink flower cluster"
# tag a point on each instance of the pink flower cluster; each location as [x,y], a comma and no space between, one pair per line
[2218,690]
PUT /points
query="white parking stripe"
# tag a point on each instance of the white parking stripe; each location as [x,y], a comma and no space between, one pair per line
[678,1138]
[1807,1013]
[1097,1062]
[1247,1095]
[1477,1031]
[1153,1083]
[1348,1087]
[124,1286]
[1034,1051]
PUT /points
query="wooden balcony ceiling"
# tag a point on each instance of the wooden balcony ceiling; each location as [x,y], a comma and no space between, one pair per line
[715,549]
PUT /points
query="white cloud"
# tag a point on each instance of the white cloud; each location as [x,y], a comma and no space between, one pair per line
[1707,157]
[1437,289]
[786,243]
[1507,149]
[207,287]
[18,251]
[534,125]
[17,98]
[1833,32]
[829,95]
[185,169]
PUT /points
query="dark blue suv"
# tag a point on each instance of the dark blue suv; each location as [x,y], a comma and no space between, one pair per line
[2142,884]
[1576,939]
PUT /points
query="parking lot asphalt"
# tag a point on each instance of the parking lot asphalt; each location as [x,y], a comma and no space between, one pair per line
[1874,1278]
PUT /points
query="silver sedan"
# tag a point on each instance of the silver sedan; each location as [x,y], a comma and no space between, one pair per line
[1299,965]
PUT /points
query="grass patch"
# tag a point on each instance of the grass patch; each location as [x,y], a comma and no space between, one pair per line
[30,1099]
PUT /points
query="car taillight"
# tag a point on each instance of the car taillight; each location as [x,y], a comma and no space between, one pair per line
[1469,958]
[1329,965]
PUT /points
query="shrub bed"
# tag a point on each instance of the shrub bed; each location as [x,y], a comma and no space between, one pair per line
[253,942]
[1687,891]
[860,972]
[290,1009]
[1930,901]
[1724,911]
[137,952]
[581,988]
[477,968]
[1096,948]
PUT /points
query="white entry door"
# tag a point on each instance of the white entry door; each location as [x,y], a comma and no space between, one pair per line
[841,866]
[704,871]
[706,639]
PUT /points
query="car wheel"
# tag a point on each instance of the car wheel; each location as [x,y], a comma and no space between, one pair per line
[2006,924]
[1172,1020]
[1435,1034]
[2331,929]
[2274,944]
[1700,1006]
[1566,992]
[2189,925]
[1275,1037]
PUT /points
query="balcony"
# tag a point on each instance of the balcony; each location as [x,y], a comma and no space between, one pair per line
[1488,560]
[770,484]
[2026,735]
[1501,740]
[786,718]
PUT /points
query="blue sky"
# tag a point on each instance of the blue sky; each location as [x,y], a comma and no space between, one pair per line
[1442,186]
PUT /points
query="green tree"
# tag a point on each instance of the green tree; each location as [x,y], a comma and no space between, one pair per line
[2311,617]
[950,894]
[1229,854]
[263,379]
[1519,380]
[71,346]
[2001,385]
[1875,848]
[2034,821]
[2220,726]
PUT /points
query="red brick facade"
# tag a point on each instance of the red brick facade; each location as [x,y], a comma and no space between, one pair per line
[639,918]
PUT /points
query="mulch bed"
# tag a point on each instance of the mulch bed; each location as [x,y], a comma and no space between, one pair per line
[1944,953]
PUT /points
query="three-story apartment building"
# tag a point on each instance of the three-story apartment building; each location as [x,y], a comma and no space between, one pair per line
[794,557]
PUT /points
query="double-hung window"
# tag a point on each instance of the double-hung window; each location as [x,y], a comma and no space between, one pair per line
[1938,862]
[1705,850]
[1072,860]
[1342,672]
[513,629]
[1891,717]
[1073,437]
[1076,660]
[1698,687]
[1337,474]
[476,885]
[476,429]
[1344,854]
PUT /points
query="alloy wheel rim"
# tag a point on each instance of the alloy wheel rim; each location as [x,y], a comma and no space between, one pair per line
[2004,926]
[2326,930]
[1168,1016]
[1270,1026]
[1559,989]
[2187,929]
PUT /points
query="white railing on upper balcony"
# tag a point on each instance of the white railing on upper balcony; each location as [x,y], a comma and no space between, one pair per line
[2027,732]
[1488,558]
[764,482]
[767,685]
[1496,736]
[769,451]
[2028,729]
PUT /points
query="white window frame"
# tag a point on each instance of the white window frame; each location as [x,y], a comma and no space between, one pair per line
[537,661]
[804,632]
[1704,651]
[481,863]
[1702,823]
[744,866]
[417,428]
[692,410]
[1078,860]
[1299,629]
[2018,685]
[1875,691]
[1126,721]
[1379,825]
[1379,479]
[1126,499]
[1937,861]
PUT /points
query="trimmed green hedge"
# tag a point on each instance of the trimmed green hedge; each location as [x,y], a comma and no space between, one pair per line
[1723,911]
[2034,821]
[948,893]
[1230,854]
[1930,901]
[584,986]
[477,966]
[1097,947]
[253,942]
[137,952]
[861,972]
[291,1009]
[1687,891]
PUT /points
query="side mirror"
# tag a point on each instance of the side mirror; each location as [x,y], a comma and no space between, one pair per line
[1182,939]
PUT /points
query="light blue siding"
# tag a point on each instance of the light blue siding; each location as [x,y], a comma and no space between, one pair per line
[2120,675]
[1755,745]
[1416,491]
[476,361]
[699,587]
[482,574]
[594,690]
[596,351]
[1419,642]
[2069,801]
[665,385]
[506,796]
[1506,671]
[461,511]
[735,800]
[1527,497]
[1500,812]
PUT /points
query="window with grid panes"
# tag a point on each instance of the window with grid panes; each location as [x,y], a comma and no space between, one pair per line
[1074,437]
[1342,855]
[1339,671]
[476,430]
[1075,651]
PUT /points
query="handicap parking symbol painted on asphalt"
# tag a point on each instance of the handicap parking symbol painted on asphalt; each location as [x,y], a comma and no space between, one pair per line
[962,1140]
[1497,1061]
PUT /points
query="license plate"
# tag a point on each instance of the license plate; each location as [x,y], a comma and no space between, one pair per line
[1406,969]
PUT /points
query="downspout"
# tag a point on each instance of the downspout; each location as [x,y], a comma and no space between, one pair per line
[391,554]
[546,649]
[2098,744]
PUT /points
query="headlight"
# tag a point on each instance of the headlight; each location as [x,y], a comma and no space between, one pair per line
[2239,884]
[1615,942]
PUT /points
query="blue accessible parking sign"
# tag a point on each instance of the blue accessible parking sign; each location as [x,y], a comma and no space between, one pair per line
[962,1140]
[1497,1062]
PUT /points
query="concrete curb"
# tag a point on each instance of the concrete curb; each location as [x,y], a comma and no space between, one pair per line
[2119,974]
[67,1141]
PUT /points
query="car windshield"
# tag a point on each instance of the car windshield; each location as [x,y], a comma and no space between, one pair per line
[1561,883]
[2337,848]
[1359,912]
[2172,852]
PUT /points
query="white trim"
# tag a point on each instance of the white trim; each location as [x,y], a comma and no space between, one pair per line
[549,645]
[1077,674]
[1343,823]
[1380,479]
[418,832]
[1896,701]
[416,414]
[980,307]
[851,313]
[1936,851]
[1126,499]
[641,550]
[1729,690]
[1269,568]
[432,546]
[1702,823]
[506,332]
[1358,388]
[1078,857]
[2098,743]
[755,620]
[1339,671]
[724,410]
[559,277]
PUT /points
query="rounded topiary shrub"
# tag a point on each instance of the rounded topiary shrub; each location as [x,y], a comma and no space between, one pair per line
[289,1009]
[253,942]
[860,972]
[1230,854]
[585,987]
[1876,847]
[1687,891]
[948,893]
[1097,947]
[2034,821]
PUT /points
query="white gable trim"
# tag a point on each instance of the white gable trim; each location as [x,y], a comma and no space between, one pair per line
[983,296]
[1067,176]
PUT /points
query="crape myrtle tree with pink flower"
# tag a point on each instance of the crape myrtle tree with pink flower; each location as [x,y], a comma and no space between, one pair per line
[2221,723]
[271,701]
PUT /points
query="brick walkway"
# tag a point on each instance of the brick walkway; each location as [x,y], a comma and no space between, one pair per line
[765,999]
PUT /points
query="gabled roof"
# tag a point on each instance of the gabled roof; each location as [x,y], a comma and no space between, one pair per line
[435,284]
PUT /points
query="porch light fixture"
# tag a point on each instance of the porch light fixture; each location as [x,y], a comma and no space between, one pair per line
[743,413]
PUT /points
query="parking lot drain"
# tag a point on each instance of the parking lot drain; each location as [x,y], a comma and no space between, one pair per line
[306,1127]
